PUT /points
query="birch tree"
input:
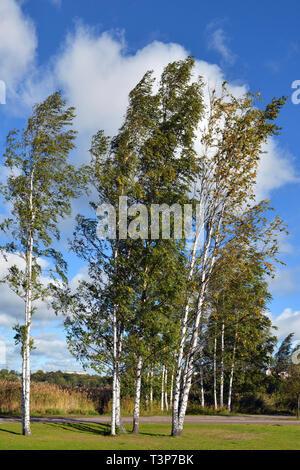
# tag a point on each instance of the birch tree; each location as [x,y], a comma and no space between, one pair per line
[232,143]
[40,186]
[150,160]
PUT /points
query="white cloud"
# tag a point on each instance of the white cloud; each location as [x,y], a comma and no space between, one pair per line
[275,170]
[82,275]
[285,281]
[50,345]
[218,41]
[287,322]
[285,246]
[12,306]
[97,74]
[18,43]
[51,353]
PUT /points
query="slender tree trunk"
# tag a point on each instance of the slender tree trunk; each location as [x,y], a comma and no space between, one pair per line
[171,388]
[215,371]
[201,369]
[137,398]
[202,388]
[151,388]
[115,374]
[232,369]
[189,366]
[162,389]
[26,340]
[166,389]
[117,345]
[184,322]
[178,420]
[118,398]
[147,392]
[119,422]
[26,357]
[222,369]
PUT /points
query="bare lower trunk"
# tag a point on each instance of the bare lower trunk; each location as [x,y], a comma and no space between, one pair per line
[215,372]
[201,370]
[151,388]
[26,344]
[166,389]
[222,369]
[115,374]
[182,387]
[202,387]
[119,423]
[232,371]
[162,389]
[26,388]
[137,398]
[171,388]
[189,365]
[184,322]
[147,392]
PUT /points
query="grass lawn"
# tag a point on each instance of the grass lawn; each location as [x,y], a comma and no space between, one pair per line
[152,437]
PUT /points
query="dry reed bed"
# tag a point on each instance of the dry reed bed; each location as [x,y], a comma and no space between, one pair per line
[46,398]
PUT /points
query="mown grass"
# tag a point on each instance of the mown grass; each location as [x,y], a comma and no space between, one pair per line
[86,436]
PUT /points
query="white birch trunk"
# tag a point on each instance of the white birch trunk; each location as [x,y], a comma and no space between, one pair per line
[147,392]
[162,389]
[215,372]
[183,391]
[119,422]
[151,388]
[26,340]
[202,386]
[137,398]
[183,333]
[166,389]
[189,365]
[222,369]
[171,388]
[201,370]
[232,370]
[115,375]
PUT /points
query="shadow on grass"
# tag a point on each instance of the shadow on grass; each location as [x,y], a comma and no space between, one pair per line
[99,429]
[153,434]
[11,432]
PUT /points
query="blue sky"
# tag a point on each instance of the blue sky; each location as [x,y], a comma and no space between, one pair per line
[96,52]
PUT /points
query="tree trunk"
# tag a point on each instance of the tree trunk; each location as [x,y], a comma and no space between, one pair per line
[115,374]
[201,369]
[171,388]
[26,340]
[147,391]
[137,398]
[162,389]
[232,370]
[183,392]
[151,388]
[177,389]
[215,372]
[166,389]
[222,369]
